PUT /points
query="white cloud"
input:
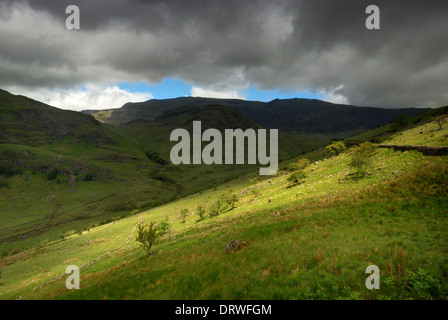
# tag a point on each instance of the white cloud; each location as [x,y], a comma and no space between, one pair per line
[225,47]
[334,96]
[89,97]
[210,93]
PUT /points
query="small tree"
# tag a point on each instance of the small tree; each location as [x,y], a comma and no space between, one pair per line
[361,158]
[441,120]
[231,201]
[303,163]
[217,208]
[183,214]
[148,234]
[297,177]
[292,166]
[164,227]
[200,210]
[300,164]
[400,122]
[336,148]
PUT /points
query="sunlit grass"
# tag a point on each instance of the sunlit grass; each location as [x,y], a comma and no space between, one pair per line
[311,241]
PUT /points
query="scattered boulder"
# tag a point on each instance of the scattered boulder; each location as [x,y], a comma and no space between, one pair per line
[235,245]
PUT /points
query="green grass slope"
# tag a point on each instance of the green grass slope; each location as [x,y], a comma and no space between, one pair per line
[62,172]
[428,134]
[422,125]
[309,241]
[29,122]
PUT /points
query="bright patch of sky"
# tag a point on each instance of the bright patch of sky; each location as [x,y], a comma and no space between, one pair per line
[173,88]
[114,96]
[268,95]
[167,89]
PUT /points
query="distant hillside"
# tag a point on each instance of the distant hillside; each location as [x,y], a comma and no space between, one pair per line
[315,116]
[214,116]
[293,115]
[151,109]
[414,126]
[154,134]
[29,122]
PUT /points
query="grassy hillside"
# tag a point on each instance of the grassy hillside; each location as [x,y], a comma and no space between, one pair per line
[427,134]
[29,122]
[422,125]
[74,192]
[45,194]
[154,134]
[313,240]
[62,172]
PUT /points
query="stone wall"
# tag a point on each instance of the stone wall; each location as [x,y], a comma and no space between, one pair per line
[426,150]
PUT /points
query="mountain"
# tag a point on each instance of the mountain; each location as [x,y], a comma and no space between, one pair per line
[291,115]
[63,170]
[154,134]
[151,109]
[213,116]
[315,116]
[29,122]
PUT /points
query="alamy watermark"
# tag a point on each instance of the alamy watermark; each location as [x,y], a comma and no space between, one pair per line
[73,21]
[373,281]
[72,281]
[373,20]
[212,152]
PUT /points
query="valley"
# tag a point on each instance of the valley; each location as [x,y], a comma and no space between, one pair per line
[75,197]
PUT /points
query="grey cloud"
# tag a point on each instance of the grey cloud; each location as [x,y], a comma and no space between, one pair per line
[303,45]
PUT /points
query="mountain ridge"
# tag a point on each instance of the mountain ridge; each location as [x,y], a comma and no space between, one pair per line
[291,115]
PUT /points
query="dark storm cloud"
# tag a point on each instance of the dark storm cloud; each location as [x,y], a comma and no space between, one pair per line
[165,16]
[404,63]
[303,45]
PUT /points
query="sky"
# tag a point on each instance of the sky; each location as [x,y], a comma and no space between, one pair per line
[136,50]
